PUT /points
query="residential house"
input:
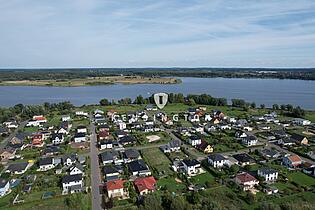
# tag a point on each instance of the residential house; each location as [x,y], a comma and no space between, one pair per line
[194,140]
[4,187]
[279,134]
[172,146]
[17,141]
[191,166]
[246,181]
[79,137]
[103,127]
[76,168]
[205,147]
[72,183]
[217,160]
[269,153]
[112,172]
[51,150]
[120,133]
[300,121]
[40,119]
[286,141]
[7,153]
[292,161]
[46,164]
[106,144]
[81,129]
[115,188]
[18,168]
[81,113]
[131,155]
[65,118]
[145,185]
[57,138]
[250,140]
[111,157]
[244,159]
[126,140]
[269,174]
[68,160]
[299,139]
[139,168]
[103,135]
[37,140]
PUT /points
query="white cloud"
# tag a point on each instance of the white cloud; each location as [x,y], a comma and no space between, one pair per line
[66,33]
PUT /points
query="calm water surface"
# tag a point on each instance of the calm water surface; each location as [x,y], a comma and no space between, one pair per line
[261,91]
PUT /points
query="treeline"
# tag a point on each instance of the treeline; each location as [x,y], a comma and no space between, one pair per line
[66,74]
[190,99]
[285,109]
[23,112]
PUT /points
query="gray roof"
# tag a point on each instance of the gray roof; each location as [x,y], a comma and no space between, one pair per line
[109,155]
[45,161]
[268,170]
[132,154]
[17,167]
[71,178]
[190,162]
[216,157]
[174,143]
[77,165]
[137,165]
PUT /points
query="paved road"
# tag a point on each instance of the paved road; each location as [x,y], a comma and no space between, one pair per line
[7,139]
[95,171]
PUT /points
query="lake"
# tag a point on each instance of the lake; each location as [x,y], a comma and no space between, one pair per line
[260,91]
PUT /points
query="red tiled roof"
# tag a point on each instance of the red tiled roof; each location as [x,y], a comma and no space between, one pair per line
[294,158]
[245,177]
[39,118]
[115,184]
[103,134]
[145,183]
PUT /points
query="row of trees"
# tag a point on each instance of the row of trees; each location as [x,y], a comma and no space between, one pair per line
[27,111]
[203,99]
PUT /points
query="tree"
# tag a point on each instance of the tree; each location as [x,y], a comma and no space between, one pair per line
[179,203]
[104,102]
[238,102]
[253,105]
[275,107]
[191,102]
[262,106]
[152,202]
[139,100]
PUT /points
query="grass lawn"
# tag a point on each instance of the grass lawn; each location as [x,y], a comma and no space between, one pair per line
[179,155]
[203,178]
[30,129]
[171,184]
[56,203]
[310,116]
[302,179]
[157,160]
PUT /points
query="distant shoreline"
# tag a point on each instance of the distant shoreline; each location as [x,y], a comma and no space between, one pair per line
[153,73]
[92,81]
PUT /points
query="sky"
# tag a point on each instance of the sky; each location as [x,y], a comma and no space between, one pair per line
[151,33]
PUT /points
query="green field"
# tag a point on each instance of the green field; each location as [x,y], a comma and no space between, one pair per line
[202,179]
[171,185]
[157,160]
[302,179]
